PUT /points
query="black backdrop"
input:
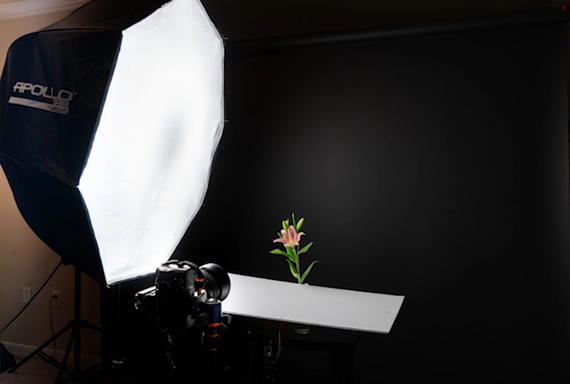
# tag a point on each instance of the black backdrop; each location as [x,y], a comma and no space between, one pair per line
[434,167]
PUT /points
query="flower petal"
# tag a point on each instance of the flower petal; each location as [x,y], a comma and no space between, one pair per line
[292,236]
[292,231]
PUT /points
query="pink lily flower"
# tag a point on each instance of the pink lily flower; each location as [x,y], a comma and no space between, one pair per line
[290,238]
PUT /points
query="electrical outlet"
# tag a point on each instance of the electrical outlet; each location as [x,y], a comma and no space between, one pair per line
[26,294]
[55,299]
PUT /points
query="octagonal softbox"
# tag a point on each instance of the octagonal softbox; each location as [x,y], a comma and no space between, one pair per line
[109,122]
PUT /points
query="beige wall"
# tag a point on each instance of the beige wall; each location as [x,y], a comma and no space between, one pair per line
[25,261]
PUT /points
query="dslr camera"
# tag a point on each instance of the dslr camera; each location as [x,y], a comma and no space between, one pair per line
[186,297]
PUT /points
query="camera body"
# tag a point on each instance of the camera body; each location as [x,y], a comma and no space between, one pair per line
[186,302]
[186,296]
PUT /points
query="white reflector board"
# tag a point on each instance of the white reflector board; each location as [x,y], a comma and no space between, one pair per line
[313,305]
[148,169]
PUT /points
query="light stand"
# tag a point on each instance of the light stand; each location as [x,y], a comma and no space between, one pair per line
[75,326]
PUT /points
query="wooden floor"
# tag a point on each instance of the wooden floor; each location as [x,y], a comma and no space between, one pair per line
[39,371]
[34,371]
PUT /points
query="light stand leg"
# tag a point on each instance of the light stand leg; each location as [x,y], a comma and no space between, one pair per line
[75,325]
[40,352]
[77,329]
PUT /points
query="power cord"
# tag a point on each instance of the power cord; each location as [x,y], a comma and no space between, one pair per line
[32,299]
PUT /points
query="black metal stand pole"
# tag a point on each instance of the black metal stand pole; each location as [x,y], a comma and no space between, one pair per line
[75,325]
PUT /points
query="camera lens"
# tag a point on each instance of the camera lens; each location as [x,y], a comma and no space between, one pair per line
[217,281]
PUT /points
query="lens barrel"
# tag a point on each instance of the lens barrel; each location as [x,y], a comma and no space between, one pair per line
[217,281]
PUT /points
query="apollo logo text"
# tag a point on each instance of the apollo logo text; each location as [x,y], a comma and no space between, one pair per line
[60,100]
[43,90]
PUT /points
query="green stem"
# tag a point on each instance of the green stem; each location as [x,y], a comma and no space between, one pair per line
[298,264]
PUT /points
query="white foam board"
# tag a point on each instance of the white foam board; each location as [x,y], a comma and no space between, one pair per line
[312,305]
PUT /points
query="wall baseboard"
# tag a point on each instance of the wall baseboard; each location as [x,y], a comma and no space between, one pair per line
[21,351]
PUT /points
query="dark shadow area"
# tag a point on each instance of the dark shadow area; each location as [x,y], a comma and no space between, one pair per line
[434,167]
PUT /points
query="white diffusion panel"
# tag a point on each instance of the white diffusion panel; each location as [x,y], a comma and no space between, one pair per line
[149,165]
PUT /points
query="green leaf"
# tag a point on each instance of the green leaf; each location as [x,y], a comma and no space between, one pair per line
[299,224]
[293,269]
[308,270]
[279,234]
[305,248]
[294,222]
[282,253]
[291,254]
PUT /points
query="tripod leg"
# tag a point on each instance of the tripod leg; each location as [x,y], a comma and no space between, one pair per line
[37,351]
[66,356]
